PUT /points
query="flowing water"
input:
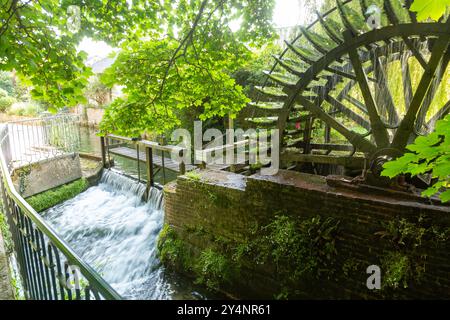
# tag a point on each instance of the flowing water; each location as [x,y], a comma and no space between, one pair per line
[114,231]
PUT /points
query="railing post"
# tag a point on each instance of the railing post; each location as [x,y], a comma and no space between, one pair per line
[182,165]
[149,162]
[138,162]
[163,167]
[102,144]
[231,141]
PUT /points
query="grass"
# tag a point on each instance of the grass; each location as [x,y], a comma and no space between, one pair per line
[50,198]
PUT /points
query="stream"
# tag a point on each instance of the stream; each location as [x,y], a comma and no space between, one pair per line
[113,230]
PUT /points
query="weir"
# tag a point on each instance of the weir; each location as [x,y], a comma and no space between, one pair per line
[116,232]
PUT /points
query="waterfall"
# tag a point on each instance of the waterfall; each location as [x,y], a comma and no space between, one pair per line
[113,230]
[121,184]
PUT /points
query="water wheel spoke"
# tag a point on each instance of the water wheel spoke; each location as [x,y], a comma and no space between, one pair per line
[354,138]
[320,43]
[393,17]
[305,54]
[383,96]
[406,127]
[395,12]
[355,102]
[378,129]
[330,28]
[415,51]
[430,94]
[406,80]
[347,112]
[296,68]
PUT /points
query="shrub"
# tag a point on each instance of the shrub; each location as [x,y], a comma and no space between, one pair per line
[28,109]
[213,269]
[3,93]
[171,249]
[6,83]
[6,103]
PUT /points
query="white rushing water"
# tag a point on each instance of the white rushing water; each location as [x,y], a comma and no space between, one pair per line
[114,231]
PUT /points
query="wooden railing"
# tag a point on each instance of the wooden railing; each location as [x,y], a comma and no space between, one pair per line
[144,151]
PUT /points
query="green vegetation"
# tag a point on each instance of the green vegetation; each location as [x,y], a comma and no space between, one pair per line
[172,251]
[398,271]
[213,269]
[6,84]
[300,249]
[429,9]
[50,198]
[194,175]
[29,109]
[9,247]
[187,66]
[43,49]
[6,103]
[4,229]
[430,154]
[297,249]
[405,264]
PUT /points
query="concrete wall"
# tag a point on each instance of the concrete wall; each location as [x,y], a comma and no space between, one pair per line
[47,174]
[229,209]
[94,116]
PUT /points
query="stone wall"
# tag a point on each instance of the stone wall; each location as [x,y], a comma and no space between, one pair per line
[229,205]
[47,174]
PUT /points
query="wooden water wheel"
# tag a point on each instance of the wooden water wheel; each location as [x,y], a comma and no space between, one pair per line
[345,94]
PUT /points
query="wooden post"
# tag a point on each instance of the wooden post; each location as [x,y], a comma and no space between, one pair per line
[102,144]
[149,162]
[138,162]
[231,127]
[182,165]
[163,167]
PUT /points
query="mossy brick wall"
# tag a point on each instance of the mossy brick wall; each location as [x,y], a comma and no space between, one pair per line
[231,211]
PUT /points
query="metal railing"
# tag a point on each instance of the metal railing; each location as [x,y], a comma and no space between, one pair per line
[49,269]
[32,140]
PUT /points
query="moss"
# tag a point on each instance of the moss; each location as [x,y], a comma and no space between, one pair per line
[50,198]
[194,175]
[172,251]
[398,270]
[213,269]
[220,200]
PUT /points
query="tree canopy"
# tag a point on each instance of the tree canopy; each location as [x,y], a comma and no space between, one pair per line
[37,41]
[186,65]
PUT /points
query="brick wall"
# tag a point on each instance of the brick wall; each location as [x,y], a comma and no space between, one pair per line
[229,209]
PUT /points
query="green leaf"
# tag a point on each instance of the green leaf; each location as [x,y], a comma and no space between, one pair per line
[433,9]
[445,196]
[398,166]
